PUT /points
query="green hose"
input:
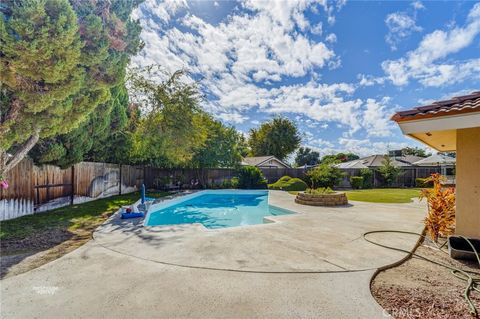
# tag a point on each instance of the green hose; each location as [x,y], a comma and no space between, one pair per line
[473,283]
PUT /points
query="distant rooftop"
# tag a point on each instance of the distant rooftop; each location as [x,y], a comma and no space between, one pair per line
[436,159]
[456,105]
[255,160]
[376,161]
[259,160]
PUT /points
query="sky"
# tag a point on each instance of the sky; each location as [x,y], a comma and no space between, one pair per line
[338,69]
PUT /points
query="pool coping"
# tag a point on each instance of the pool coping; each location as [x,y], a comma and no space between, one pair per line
[267,220]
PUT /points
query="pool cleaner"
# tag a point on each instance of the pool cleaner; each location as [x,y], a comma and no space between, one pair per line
[128,213]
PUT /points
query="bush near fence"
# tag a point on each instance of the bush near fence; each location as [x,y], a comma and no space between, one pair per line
[356,182]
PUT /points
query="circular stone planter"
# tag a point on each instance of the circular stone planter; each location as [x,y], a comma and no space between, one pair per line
[333,199]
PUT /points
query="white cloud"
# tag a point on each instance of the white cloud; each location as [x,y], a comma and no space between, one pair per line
[317,29]
[400,26]
[418,5]
[233,117]
[331,38]
[164,10]
[376,118]
[420,64]
[365,147]
[368,80]
[446,96]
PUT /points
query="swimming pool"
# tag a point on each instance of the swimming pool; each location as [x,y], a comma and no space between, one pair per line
[215,209]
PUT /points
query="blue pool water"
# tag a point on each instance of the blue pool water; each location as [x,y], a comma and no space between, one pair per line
[215,209]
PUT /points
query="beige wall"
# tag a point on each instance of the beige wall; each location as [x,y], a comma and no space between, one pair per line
[468,182]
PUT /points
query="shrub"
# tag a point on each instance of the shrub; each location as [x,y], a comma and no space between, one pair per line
[367,175]
[326,190]
[440,220]
[226,184]
[287,183]
[423,182]
[325,175]
[285,178]
[234,182]
[229,183]
[356,182]
[251,177]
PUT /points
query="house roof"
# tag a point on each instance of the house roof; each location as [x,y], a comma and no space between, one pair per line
[436,124]
[377,161]
[456,105]
[436,160]
[259,160]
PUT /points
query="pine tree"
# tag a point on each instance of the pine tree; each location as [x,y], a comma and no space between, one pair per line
[41,78]
[110,37]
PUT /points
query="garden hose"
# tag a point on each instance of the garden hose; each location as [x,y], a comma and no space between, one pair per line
[473,283]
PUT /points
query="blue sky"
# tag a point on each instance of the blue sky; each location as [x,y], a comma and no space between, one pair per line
[339,69]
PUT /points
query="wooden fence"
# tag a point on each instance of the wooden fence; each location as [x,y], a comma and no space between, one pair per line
[40,188]
[405,179]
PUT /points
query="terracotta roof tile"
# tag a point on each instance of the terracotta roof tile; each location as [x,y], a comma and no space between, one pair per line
[459,104]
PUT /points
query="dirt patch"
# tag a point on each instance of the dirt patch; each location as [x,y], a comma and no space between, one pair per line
[35,242]
[420,289]
[37,249]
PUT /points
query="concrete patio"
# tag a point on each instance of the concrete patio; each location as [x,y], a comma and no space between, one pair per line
[191,272]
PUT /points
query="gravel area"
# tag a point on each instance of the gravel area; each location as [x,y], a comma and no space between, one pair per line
[420,289]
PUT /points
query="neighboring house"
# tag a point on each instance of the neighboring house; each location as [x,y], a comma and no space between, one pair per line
[446,164]
[447,126]
[375,161]
[264,162]
[410,171]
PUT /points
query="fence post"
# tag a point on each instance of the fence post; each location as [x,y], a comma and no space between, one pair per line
[144,177]
[120,180]
[72,189]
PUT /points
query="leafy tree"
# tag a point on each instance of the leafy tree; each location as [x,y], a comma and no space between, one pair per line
[171,128]
[305,156]
[389,171]
[220,148]
[339,158]
[416,151]
[330,159]
[324,175]
[278,137]
[242,145]
[350,157]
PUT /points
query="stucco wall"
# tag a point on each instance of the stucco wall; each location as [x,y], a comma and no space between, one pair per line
[468,182]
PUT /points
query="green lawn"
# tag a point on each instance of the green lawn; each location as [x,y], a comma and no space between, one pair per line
[382,195]
[74,219]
